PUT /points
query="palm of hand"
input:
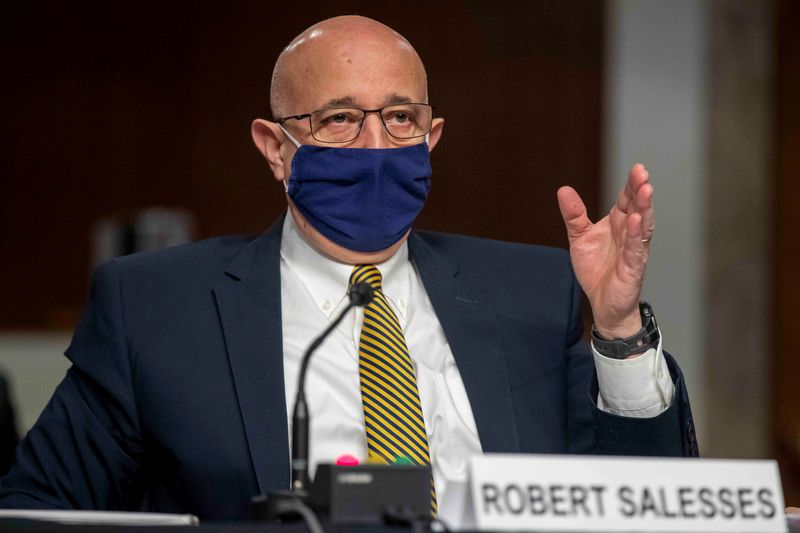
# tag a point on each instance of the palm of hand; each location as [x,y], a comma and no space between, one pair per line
[610,256]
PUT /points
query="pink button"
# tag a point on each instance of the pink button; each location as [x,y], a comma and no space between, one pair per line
[347,460]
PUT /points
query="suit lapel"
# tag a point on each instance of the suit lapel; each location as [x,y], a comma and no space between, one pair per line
[250,310]
[470,327]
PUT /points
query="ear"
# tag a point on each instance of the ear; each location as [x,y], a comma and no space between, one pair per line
[436,133]
[269,139]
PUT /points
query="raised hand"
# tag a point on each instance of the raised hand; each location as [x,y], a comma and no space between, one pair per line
[610,256]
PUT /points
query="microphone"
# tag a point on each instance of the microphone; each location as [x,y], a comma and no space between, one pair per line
[388,487]
[360,295]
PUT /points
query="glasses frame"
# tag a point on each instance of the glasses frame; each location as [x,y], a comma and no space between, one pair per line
[379,111]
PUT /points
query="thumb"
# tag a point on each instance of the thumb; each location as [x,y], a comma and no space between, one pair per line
[573,211]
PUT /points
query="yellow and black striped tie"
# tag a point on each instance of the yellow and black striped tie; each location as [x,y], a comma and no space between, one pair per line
[392,412]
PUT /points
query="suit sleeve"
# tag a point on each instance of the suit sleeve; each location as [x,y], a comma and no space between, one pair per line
[671,433]
[595,431]
[85,452]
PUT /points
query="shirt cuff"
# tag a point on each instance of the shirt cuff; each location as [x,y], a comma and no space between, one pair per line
[640,387]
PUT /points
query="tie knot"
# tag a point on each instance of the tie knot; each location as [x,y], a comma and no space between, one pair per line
[367,273]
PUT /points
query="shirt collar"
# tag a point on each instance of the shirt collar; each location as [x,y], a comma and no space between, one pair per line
[326,279]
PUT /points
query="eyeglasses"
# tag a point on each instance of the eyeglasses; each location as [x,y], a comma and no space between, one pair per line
[343,124]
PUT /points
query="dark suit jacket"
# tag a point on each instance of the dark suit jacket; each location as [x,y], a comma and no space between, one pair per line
[175,400]
[8,427]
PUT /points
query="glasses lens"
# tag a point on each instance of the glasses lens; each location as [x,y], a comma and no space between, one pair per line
[406,121]
[336,125]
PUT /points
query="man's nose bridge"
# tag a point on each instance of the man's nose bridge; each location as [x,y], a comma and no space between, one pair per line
[375,134]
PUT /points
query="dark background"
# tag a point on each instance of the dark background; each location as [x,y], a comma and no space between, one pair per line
[786,251]
[110,107]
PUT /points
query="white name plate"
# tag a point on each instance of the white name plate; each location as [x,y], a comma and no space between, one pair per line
[590,493]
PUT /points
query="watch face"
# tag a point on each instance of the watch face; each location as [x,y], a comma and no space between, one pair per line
[646,312]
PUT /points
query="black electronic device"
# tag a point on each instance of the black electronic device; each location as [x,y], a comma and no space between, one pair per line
[370,493]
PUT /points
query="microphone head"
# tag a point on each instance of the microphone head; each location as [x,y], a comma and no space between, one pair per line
[361,294]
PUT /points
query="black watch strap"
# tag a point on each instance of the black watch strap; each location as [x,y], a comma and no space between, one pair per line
[640,342]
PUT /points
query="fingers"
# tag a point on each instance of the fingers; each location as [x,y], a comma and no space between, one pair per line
[573,211]
[637,197]
[637,177]
[635,250]
[643,205]
[634,232]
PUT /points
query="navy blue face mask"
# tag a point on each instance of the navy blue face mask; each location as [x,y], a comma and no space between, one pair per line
[364,199]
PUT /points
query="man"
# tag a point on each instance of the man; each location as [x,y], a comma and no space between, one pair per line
[185,362]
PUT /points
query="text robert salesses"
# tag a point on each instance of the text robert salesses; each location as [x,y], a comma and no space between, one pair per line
[631,502]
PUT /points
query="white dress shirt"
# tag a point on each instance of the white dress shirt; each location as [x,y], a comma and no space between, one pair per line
[314,290]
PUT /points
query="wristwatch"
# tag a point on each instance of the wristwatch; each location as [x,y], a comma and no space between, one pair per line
[640,342]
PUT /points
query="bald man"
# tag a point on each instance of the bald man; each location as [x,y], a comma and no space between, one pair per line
[185,361]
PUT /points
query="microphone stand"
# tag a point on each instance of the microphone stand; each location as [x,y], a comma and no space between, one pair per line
[292,503]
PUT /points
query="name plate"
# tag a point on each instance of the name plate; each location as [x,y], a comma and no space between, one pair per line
[590,493]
